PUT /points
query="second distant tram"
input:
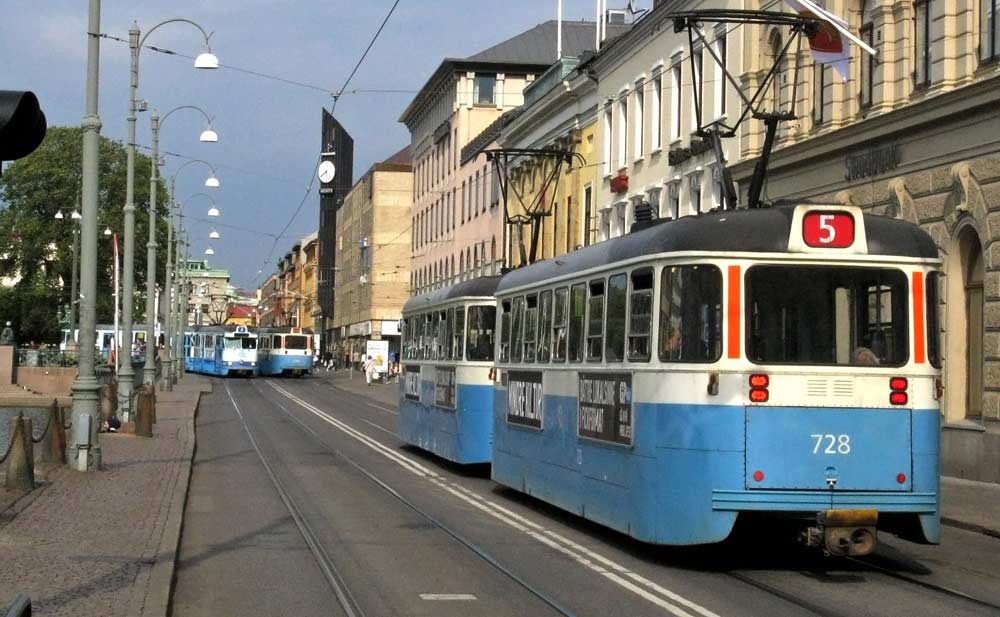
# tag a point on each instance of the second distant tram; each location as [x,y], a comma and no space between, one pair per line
[285,351]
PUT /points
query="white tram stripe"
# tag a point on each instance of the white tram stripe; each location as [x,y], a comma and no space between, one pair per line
[588,558]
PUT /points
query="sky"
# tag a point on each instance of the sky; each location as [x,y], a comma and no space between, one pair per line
[269,131]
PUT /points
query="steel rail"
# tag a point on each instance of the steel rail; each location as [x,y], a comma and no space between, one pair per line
[479,552]
[952,593]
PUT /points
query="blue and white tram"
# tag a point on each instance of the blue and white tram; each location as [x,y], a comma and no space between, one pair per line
[284,351]
[779,363]
[446,396]
[220,350]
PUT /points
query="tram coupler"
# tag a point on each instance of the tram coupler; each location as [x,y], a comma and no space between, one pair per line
[844,533]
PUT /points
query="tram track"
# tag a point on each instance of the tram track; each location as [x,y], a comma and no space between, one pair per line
[323,558]
[946,591]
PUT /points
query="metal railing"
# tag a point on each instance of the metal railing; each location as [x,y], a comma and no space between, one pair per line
[47,357]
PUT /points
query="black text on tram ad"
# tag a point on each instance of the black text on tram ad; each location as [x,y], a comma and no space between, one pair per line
[444,387]
[411,383]
[524,398]
[605,407]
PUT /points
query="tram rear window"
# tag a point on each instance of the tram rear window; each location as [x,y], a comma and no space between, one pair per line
[296,342]
[826,315]
[479,338]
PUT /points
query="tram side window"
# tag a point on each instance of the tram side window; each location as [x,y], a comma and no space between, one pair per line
[442,339]
[479,338]
[933,320]
[614,340]
[827,315]
[559,324]
[427,335]
[278,341]
[577,320]
[545,326]
[517,330]
[640,319]
[505,331]
[595,321]
[530,327]
[690,314]
[457,332]
[449,331]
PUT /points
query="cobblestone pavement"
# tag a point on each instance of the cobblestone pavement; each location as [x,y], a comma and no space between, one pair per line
[105,543]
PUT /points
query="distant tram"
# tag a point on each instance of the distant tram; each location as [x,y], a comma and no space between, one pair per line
[446,397]
[285,351]
[220,350]
[779,363]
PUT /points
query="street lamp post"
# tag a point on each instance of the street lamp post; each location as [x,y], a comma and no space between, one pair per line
[205,60]
[84,447]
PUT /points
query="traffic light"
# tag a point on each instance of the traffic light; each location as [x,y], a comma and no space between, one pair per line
[22,124]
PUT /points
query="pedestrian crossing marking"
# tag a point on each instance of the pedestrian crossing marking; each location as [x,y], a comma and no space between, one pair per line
[447,596]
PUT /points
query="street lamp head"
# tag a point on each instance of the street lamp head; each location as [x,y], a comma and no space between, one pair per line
[212,182]
[75,215]
[107,231]
[213,211]
[214,235]
[206,60]
[210,136]
[59,214]
[209,251]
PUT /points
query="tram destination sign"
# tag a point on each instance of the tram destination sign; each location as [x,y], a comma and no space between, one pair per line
[524,398]
[411,382]
[444,387]
[605,407]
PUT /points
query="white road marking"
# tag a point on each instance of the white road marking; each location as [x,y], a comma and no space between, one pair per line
[660,596]
[447,596]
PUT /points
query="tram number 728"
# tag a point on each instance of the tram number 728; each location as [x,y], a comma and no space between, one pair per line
[835,444]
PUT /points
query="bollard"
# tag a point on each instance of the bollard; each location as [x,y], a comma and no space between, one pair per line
[144,411]
[52,447]
[20,461]
[153,407]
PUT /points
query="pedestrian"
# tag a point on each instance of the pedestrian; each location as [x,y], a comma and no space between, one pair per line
[369,369]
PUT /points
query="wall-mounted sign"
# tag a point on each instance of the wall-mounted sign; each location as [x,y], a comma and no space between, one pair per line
[871,162]
[524,398]
[444,387]
[605,407]
[363,328]
[411,382]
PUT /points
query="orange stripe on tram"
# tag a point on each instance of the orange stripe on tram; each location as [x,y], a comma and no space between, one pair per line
[918,317]
[733,314]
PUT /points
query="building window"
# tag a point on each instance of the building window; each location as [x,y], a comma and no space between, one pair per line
[639,119]
[673,200]
[989,32]
[694,190]
[622,131]
[621,212]
[922,43]
[606,224]
[675,99]
[697,92]
[779,71]
[465,200]
[483,89]
[607,142]
[867,64]
[494,188]
[720,77]
[819,92]
[655,112]
[587,200]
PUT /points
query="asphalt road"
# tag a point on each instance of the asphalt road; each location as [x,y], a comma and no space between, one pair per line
[303,501]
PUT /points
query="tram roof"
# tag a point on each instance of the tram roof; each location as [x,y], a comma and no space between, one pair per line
[482,287]
[283,330]
[764,230]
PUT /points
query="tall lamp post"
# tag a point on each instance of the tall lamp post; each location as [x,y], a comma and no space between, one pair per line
[84,451]
[205,60]
[172,291]
[208,135]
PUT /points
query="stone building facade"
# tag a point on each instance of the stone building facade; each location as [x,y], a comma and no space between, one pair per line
[916,135]
[372,281]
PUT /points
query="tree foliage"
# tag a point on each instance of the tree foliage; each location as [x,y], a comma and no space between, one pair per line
[36,249]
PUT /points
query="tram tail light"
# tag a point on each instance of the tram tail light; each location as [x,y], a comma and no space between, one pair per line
[758,388]
[898,395]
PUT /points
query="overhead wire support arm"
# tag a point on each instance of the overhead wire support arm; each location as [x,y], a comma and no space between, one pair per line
[714,131]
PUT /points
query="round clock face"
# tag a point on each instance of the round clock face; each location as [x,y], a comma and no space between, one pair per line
[327,171]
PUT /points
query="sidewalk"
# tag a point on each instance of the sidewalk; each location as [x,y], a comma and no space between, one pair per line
[105,543]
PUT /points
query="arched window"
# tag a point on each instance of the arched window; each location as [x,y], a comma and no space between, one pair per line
[866,77]
[777,59]
[451,269]
[461,263]
[493,249]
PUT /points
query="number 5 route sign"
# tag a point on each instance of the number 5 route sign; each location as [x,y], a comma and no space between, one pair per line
[828,229]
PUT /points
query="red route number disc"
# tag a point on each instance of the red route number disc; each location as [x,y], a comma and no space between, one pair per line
[828,229]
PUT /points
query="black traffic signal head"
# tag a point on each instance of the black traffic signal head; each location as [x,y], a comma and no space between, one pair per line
[22,124]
